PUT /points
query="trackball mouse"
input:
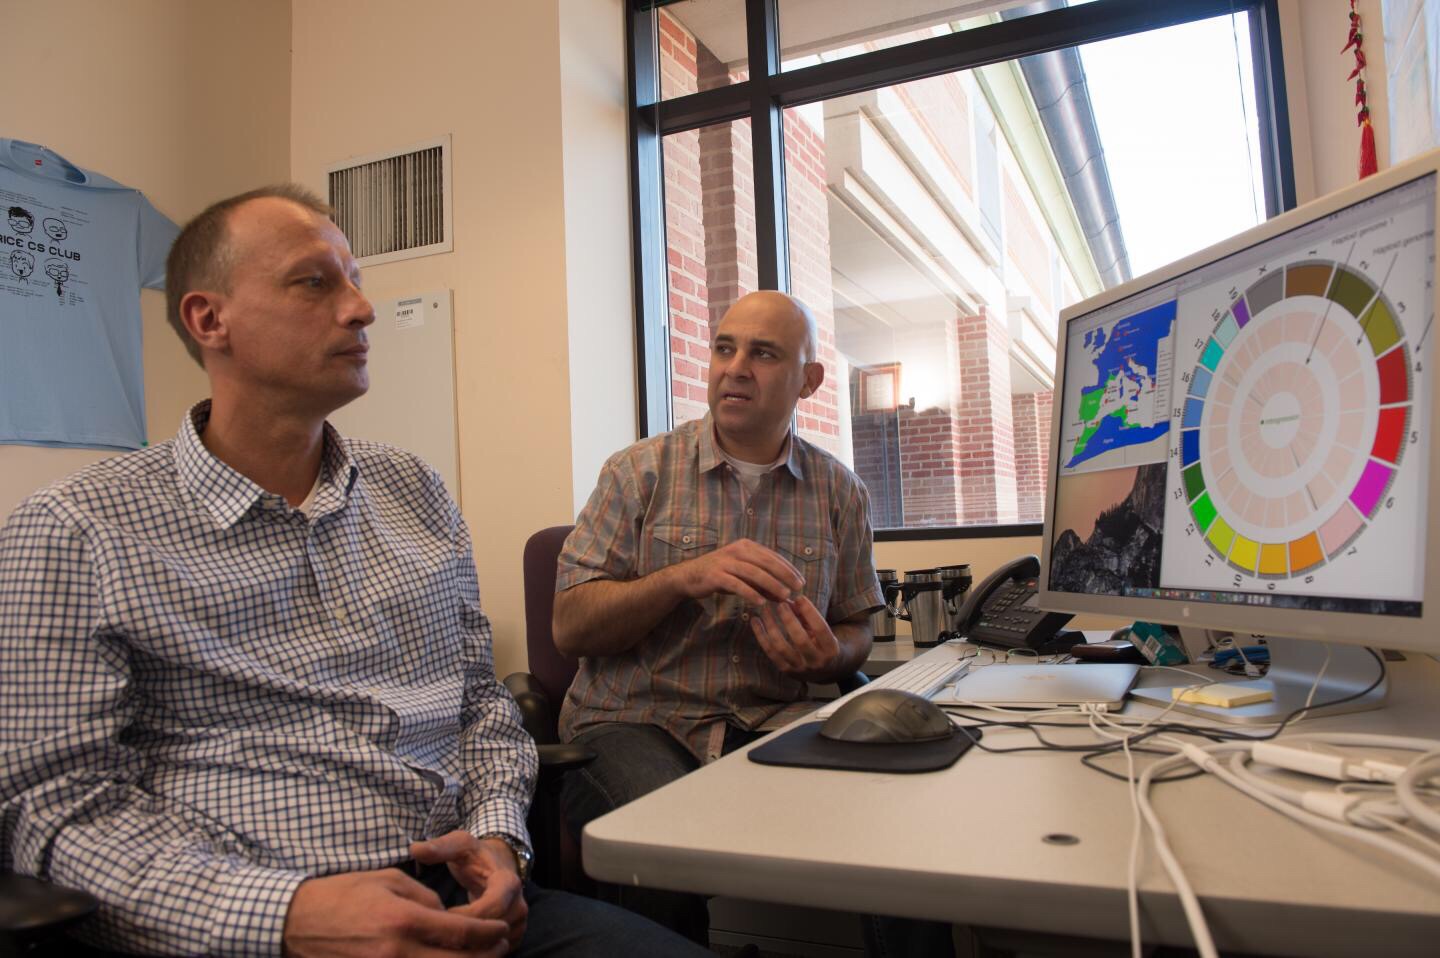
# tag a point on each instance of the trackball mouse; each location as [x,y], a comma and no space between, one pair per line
[888,716]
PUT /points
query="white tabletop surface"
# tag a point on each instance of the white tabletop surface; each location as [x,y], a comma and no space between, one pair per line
[969,845]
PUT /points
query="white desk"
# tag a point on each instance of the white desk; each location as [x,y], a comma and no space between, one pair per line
[885,656]
[968,845]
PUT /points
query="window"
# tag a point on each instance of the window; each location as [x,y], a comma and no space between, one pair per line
[936,188]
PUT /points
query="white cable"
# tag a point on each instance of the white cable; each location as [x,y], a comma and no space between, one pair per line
[1132,885]
[1417,836]
[1362,811]
[1139,808]
[1424,862]
[1250,669]
[1194,916]
[1369,740]
[1305,712]
[1352,812]
[1419,772]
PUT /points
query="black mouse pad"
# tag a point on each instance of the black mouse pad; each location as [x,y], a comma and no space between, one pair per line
[804,747]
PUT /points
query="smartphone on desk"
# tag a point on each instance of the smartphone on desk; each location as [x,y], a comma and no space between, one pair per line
[1004,610]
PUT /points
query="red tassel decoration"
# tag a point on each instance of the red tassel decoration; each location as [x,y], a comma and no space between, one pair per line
[1354,41]
[1368,163]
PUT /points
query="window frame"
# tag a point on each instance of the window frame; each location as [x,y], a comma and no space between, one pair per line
[768,92]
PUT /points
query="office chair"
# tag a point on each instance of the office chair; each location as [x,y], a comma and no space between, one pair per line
[32,912]
[539,693]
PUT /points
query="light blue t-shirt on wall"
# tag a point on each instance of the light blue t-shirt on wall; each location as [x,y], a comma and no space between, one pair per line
[75,249]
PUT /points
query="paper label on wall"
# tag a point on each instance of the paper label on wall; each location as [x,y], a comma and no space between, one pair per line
[410,312]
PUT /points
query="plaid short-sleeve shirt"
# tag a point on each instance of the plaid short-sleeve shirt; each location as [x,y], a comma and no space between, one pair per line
[207,696]
[671,498]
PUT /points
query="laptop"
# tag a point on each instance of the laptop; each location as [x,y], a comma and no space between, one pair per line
[1040,686]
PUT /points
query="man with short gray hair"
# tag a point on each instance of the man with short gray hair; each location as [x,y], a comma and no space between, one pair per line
[248,696]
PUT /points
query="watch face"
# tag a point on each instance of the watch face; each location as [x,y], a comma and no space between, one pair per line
[523,858]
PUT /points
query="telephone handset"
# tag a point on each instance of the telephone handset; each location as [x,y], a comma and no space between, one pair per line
[1002,610]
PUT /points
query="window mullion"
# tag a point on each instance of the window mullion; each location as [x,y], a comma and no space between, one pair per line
[647,202]
[1276,160]
[767,144]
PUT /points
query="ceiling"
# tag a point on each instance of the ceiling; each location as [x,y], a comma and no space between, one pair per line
[811,26]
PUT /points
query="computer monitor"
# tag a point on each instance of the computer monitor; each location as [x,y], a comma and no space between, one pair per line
[1241,441]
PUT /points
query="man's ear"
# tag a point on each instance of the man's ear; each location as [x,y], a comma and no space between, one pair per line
[814,376]
[200,313]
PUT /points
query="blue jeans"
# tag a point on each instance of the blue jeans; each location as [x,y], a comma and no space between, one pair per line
[559,924]
[563,924]
[632,760]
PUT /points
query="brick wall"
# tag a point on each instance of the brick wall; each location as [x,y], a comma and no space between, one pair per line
[930,438]
[710,234]
[684,235]
[727,183]
[1031,415]
[929,446]
[808,228]
[972,453]
[876,438]
[987,448]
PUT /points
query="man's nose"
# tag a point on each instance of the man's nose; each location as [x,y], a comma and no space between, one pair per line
[358,309]
[739,365]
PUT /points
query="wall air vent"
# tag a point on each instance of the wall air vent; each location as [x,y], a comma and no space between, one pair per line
[395,205]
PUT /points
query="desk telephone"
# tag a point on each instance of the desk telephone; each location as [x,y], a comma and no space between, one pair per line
[1002,610]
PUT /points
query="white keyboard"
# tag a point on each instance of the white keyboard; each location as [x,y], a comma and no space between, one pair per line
[922,678]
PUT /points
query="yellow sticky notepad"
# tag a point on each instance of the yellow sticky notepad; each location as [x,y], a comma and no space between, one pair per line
[1224,696]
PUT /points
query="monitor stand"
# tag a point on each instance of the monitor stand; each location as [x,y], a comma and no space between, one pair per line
[1294,663]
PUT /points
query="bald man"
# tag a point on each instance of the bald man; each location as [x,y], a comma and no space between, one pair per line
[716,570]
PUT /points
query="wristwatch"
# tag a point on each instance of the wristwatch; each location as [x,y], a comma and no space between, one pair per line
[523,859]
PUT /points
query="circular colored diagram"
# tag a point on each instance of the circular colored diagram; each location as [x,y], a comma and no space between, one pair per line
[1295,420]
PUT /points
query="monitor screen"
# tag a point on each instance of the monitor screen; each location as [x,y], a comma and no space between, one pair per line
[1248,430]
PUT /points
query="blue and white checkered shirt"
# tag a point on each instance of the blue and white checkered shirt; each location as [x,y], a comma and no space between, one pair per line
[207,696]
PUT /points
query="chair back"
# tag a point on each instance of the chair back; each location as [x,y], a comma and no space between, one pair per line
[553,670]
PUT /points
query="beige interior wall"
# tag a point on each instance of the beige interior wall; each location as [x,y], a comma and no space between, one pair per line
[1324,136]
[372,75]
[187,102]
[597,232]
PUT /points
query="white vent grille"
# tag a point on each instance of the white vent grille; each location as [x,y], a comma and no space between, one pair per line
[396,205]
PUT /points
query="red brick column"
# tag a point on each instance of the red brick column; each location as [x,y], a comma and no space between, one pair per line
[930,434]
[929,445]
[808,225]
[987,448]
[710,235]
[728,201]
[685,235]
[876,440]
[1031,414]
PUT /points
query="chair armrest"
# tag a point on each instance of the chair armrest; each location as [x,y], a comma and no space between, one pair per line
[31,905]
[537,712]
[537,715]
[557,758]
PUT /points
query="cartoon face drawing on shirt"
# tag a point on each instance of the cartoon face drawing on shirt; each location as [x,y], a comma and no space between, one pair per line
[55,229]
[21,219]
[22,264]
[59,272]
